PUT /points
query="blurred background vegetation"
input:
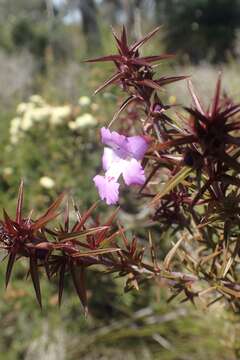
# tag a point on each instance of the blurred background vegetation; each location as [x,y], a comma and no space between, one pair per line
[49,123]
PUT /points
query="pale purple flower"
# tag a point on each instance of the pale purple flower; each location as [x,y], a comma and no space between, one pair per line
[121,157]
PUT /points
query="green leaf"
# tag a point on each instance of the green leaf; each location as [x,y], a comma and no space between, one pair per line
[171,184]
[96,252]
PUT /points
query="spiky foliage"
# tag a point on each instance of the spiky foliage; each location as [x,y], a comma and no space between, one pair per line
[135,74]
[193,181]
[192,169]
[56,246]
[54,243]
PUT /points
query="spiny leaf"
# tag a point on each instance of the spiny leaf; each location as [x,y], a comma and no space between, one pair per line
[83,219]
[8,222]
[124,238]
[78,277]
[124,38]
[119,43]
[44,220]
[61,282]
[104,58]
[66,217]
[215,300]
[157,57]
[110,239]
[171,253]
[229,291]
[113,79]
[227,267]
[55,205]
[176,142]
[35,278]
[216,97]
[19,203]
[208,258]
[142,41]
[96,252]
[230,112]
[81,234]
[129,100]
[50,214]
[195,98]
[170,79]
[171,184]
[100,237]
[150,83]
[152,250]
[11,260]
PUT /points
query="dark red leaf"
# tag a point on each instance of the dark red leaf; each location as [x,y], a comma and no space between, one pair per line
[35,278]
[123,106]
[66,217]
[100,237]
[105,58]
[84,218]
[176,142]
[195,98]
[11,260]
[229,111]
[142,41]
[168,80]
[78,277]
[61,282]
[216,99]
[150,83]
[154,58]
[8,222]
[50,214]
[112,80]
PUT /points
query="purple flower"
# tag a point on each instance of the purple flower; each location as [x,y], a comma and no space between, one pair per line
[121,157]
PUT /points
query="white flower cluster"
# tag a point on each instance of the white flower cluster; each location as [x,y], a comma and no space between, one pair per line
[47,182]
[37,110]
[85,120]
[84,101]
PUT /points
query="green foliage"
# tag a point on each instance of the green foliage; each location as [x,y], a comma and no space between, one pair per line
[44,145]
[201,28]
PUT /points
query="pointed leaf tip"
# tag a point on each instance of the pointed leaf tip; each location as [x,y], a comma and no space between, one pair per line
[11,260]
[19,202]
[78,277]
[35,278]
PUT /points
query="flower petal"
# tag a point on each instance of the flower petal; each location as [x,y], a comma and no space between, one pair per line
[137,146]
[108,189]
[109,157]
[115,170]
[123,146]
[116,141]
[133,173]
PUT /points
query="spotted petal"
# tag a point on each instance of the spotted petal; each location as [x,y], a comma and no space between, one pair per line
[108,189]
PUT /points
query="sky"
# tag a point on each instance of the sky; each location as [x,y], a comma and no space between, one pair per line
[72,17]
[58,2]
